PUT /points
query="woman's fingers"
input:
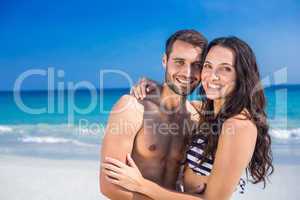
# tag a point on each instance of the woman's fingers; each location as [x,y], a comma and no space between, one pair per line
[111,180]
[121,174]
[115,162]
[113,174]
[111,167]
[131,161]
[131,91]
[120,183]
[139,88]
[134,92]
[143,87]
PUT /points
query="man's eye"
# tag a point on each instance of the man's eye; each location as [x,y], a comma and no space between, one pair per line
[179,62]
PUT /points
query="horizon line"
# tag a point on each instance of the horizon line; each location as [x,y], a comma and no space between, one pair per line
[122,88]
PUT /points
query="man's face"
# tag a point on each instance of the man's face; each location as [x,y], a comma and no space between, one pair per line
[183,67]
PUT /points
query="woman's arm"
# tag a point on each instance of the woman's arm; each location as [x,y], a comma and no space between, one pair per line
[156,192]
[234,151]
[130,178]
[193,185]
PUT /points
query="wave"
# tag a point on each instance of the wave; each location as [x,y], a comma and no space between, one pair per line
[44,128]
[5,129]
[84,136]
[51,134]
[53,140]
[286,134]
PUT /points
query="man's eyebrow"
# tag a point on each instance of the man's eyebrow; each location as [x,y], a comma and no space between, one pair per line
[178,58]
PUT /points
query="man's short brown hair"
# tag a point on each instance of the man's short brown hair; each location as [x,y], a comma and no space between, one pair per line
[190,36]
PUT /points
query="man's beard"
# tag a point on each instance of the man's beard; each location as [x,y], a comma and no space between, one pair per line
[175,88]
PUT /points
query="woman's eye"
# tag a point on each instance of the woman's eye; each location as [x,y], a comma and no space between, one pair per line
[227,69]
[207,66]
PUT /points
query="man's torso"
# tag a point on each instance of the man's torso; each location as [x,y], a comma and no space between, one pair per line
[160,144]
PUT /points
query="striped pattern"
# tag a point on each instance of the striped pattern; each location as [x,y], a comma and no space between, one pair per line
[195,156]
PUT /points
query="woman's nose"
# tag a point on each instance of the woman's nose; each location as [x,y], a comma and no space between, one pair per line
[215,76]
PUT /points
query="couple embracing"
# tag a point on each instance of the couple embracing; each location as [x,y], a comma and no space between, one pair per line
[159,145]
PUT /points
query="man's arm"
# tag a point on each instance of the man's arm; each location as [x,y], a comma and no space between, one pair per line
[124,122]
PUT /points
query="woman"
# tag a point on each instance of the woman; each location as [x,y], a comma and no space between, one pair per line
[233,134]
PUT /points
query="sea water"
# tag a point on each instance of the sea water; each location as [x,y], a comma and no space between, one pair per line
[61,131]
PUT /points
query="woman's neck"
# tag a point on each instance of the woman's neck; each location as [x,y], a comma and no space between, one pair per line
[218,103]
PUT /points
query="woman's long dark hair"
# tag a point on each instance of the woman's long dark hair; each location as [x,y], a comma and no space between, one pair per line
[247,95]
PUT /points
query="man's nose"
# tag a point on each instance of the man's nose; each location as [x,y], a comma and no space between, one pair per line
[189,70]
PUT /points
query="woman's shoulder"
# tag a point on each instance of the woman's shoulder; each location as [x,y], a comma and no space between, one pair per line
[240,124]
[242,119]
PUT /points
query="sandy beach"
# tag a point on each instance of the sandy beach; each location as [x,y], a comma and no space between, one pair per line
[44,179]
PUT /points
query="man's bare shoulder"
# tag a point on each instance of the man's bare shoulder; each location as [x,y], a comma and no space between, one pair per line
[125,116]
[129,105]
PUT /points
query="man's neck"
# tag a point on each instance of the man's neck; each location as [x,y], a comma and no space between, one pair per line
[170,100]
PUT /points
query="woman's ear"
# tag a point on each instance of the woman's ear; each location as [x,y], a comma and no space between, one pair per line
[164,61]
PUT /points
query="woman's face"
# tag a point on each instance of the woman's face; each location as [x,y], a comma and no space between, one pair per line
[218,74]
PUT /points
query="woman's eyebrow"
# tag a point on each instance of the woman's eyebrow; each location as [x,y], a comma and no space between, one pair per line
[227,64]
[224,63]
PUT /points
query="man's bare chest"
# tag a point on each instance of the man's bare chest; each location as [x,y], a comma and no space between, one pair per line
[163,136]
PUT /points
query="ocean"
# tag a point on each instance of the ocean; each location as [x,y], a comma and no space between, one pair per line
[70,124]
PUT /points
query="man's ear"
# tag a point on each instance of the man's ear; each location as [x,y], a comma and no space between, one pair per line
[164,60]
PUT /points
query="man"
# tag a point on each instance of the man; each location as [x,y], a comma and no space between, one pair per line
[155,130]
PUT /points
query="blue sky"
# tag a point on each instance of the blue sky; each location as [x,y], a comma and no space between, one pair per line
[84,37]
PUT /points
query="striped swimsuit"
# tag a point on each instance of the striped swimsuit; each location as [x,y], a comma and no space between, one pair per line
[195,155]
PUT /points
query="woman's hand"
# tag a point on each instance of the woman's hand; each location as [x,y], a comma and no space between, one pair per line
[126,176]
[144,87]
